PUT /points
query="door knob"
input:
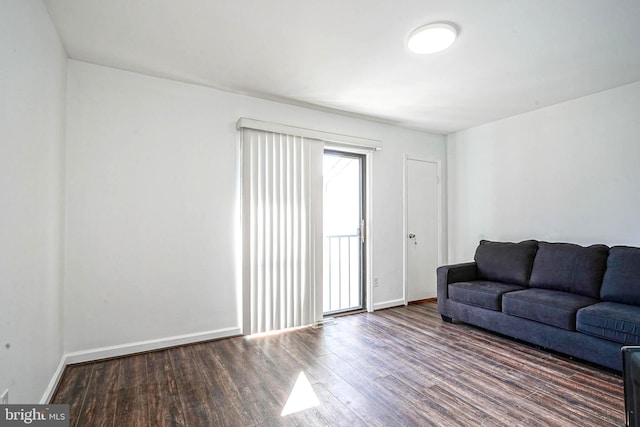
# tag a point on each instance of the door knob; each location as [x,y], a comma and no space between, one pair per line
[412,236]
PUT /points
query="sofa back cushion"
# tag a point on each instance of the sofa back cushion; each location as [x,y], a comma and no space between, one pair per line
[622,279]
[569,268]
[505,262]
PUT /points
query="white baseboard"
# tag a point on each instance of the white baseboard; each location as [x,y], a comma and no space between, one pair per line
[388,304]
[142,346]
[131,348]
[53,384]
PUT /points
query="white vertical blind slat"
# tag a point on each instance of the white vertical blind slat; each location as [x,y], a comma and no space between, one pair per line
[282,211]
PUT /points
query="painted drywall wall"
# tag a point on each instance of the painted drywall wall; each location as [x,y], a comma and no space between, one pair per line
[32,122]
[152,196]
[568,172]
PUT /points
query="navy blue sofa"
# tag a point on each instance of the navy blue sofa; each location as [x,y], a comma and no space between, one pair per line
[580,301]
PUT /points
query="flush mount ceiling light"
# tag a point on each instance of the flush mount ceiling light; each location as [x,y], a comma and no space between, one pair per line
[432,38]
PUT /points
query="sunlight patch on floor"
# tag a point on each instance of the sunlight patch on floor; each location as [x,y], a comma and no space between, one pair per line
[302,397]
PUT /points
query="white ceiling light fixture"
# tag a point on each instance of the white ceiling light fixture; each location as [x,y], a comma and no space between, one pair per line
[432,38]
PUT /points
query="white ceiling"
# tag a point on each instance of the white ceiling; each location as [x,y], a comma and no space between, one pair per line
[511,56]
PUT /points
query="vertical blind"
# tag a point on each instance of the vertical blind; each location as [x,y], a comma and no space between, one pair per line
[282,228]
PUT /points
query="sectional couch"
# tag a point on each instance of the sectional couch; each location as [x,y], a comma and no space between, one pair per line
[580,301]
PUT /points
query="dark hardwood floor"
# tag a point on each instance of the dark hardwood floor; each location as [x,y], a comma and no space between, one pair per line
[395,367]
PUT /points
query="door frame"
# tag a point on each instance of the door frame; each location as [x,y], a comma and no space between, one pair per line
[367,270]
[405,217]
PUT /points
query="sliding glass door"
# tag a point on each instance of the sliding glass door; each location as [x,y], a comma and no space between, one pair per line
[344,232]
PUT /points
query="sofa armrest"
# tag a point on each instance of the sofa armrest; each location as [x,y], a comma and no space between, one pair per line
[464,272]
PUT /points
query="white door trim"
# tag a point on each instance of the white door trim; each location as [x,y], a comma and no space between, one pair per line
[405,217]
[368,243]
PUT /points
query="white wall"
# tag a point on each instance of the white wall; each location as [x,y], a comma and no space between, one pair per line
[152,203]
[569,172]
[32,121]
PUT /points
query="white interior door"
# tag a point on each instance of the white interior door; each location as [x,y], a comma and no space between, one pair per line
[422,239]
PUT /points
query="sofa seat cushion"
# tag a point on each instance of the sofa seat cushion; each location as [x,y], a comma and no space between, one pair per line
[569,268]
[612,321]
[621,281]
[505,262]
[555,308]
[481,293]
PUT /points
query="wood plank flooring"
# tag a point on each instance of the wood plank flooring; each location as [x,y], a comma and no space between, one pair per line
[396,367]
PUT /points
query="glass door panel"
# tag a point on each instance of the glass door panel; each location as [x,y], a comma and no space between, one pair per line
[343,288]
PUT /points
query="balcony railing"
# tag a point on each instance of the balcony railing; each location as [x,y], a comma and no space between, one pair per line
[342,273]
